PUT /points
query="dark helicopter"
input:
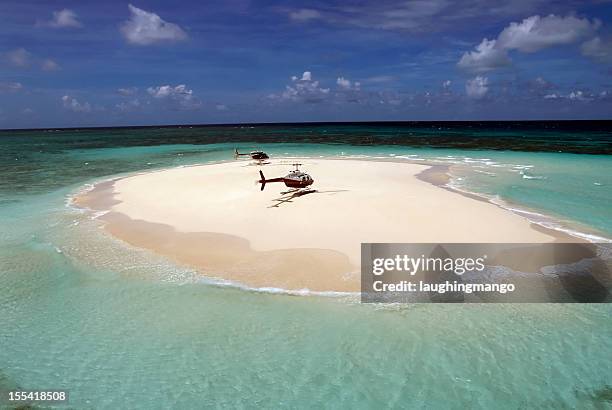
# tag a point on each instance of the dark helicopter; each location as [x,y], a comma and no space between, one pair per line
[294,179]
[256,155]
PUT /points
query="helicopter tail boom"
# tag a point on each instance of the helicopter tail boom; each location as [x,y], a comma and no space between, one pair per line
[238,154]
[263,180]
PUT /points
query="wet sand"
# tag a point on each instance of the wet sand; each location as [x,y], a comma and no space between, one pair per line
[216,219]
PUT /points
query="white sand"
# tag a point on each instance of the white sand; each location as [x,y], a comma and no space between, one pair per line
[357,201]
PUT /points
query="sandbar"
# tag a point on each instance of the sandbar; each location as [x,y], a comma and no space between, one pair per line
[215,218]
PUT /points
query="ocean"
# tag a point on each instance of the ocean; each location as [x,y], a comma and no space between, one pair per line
[120,328]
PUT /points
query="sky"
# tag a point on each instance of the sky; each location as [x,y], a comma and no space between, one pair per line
[113,63]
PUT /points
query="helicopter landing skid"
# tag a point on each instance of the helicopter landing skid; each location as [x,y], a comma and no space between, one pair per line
[298,191]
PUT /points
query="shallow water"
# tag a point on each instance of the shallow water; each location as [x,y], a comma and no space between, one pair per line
[120,328]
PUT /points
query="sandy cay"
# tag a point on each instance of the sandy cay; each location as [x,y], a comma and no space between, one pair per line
[216,219]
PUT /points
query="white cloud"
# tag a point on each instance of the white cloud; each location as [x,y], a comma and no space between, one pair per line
[127,106]
[539,87]
[578,95]
[49,65]
[221,107]
[532,34]
[477,87]
[11,86]
[541,82]
[485,58]
[19,57]
[22,58]
[409,15]
[127,91]
[598,49]
[446,91]
[303,89]
[144,28]
[379,79]
[349,91]
[179,94]
[65,19]
[72,104]
[306,76]
[535,33]
[346,84]
[413,16]
[306,89]
[304,14]
[343,83]
[164,91]
[419,16]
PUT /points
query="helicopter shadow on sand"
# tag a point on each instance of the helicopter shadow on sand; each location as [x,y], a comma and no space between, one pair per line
[289,196]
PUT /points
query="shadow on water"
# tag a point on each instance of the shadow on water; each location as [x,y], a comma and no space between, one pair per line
[7,385]
[601,398]
[584,282]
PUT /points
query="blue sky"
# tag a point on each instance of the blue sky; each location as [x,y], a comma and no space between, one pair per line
[76,63]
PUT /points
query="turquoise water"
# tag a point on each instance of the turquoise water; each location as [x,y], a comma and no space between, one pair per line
[120,328]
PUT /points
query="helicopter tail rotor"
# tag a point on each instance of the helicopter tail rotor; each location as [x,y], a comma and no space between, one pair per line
[262,181]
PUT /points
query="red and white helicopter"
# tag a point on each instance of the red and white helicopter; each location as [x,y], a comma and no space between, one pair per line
[294,179]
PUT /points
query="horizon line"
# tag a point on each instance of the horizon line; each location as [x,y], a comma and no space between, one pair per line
[311,123]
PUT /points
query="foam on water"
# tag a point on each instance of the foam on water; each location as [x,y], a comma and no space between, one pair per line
[533,216]
[525,175]
[276,290]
